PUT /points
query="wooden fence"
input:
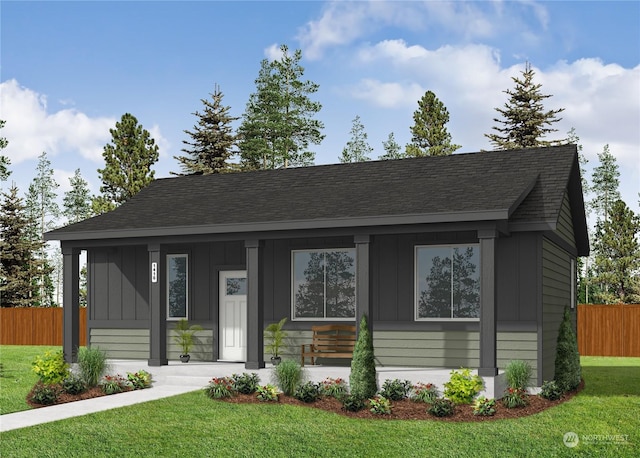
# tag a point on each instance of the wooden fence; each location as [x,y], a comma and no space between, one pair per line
[609,330]
[36,326]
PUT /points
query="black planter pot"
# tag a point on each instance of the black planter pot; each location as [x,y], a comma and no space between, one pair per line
[185,358]
[275,360]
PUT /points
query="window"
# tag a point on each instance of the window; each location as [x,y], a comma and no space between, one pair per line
[177,286]
[324,284]
[447,282]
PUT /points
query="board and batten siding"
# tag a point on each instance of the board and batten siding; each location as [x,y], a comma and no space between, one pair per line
[556,295]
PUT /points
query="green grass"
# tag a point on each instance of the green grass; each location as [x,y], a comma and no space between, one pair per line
[192,425]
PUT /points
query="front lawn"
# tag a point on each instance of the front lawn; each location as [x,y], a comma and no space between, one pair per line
[605,412]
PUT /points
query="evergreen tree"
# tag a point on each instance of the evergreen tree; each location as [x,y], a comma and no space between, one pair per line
[362,379]
[4,160]
[391,149]
[525,121]
[77,200]
[567,364]
[617,256]
[605,183]
[278,126]
[429,135]
[18,268]
[212,139]
[128,161]
[357,149]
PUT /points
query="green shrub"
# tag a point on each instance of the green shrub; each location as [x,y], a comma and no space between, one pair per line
[44,394]
[550,390]
[246,383]
[441,407]
[112,384]
[307,392]
[484,407]
[518,373]
[353,403]
[380,405]
[288,375]
[462,387]
[567,367]
[92,363]
[74,384]
[267,393]
[51,368]
[514,398]
[424,392]
[396,390]
[362,379]
[139,380]
[219,387]
[334,387]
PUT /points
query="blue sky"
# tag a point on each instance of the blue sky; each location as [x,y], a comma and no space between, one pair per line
[69,70]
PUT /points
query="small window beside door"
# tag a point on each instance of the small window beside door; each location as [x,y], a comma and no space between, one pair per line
[177,286]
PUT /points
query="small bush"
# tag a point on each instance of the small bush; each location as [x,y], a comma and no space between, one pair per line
[288,375]
[219,387]
[112,384]
[92,363]
[567,365]
[362,378]
[484,407]
[550,390]
[139,380]
[352,403]
[424,392]
[73,384]
[518,373]
[51,368]
[307,392]
[246,383]
[380,405]
[462,387]
[514,398]
[334,387]
[267,393]
[396,390]
[44,394]
[441,407]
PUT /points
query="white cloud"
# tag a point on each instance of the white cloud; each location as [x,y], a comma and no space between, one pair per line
[388,95]
[273,52]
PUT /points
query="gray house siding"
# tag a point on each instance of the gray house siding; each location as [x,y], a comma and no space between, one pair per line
[565,222]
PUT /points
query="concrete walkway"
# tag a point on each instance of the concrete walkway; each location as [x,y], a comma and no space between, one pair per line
[178,378]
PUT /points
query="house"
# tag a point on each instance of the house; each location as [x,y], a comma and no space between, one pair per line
[463,260]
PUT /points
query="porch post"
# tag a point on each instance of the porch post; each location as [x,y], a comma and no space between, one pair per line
[488,310]
[255,304]
[363,299]
[157,309]
[71,303]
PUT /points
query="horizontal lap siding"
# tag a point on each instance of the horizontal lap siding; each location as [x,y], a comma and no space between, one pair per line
[202,349]
[122,343]
[565,222]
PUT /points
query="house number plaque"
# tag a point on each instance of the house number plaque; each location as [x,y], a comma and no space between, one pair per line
[154,272]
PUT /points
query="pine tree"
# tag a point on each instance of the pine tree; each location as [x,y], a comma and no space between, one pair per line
[4,160]
[212,139]
[617,256]
[357,148]
[605,183]
[567,364]
[77,200]
[362,380]
[278,126]
[128,161]
[18,268]
[391,149]
[429,135]
[525,121]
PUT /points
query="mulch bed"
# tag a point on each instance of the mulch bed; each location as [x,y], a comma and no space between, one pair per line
[64,398]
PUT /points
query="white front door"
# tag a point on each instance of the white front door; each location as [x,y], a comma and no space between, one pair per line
[233,316]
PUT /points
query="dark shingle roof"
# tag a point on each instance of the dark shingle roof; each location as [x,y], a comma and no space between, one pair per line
[520,185]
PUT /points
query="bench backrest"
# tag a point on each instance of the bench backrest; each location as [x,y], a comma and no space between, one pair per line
[334,337]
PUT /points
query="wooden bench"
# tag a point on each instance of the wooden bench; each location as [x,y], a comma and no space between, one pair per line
[330,341]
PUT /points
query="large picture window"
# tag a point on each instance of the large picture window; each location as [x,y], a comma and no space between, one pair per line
[324,284]
[177,286]
[447,282]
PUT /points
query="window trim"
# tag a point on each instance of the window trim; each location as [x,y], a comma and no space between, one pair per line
[293,293]
[416,282]
[186,257]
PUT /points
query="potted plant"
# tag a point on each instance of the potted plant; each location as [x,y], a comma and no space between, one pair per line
[275,335]
[184,337]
